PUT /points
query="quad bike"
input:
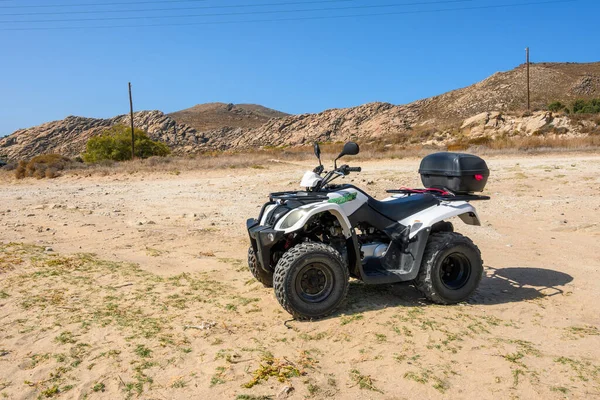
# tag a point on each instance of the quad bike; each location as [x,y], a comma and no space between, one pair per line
[307,244]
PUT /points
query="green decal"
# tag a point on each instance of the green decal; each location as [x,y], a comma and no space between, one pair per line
[345,198]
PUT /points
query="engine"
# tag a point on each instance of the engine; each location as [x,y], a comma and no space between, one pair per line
[374,243]
[373,249]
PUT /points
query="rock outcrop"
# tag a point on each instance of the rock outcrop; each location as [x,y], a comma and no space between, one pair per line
[69,136]
[367,122]
[496,124]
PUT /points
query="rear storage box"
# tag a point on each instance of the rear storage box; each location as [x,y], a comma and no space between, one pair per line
[457,172]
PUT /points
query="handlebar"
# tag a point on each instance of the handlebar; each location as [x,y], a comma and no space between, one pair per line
[345,169]
[340,171]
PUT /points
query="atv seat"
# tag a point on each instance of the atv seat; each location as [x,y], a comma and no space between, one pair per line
[398,209]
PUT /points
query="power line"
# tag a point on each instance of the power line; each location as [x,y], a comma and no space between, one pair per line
[130,18]
[173,9]
[441,10]
[120,3]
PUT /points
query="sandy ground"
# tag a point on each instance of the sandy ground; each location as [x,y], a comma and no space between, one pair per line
[130,286]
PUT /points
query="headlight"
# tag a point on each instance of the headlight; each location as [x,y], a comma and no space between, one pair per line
[293,217]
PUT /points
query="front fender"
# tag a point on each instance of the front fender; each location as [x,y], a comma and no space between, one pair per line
[313,209]
[426,218]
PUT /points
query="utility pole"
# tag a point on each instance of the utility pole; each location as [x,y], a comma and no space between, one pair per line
[131,111]
[528,87]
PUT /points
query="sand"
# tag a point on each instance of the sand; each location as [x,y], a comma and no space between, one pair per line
[136,285]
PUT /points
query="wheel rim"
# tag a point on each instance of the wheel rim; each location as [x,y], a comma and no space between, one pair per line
[314,282]
[455,271]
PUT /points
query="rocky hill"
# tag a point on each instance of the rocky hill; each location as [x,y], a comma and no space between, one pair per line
[205,126]
[491,108]
[69,136]
[215,116]
[507,91]
[503,92]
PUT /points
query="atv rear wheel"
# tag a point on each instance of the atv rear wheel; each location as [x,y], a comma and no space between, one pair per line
[311,280]
[264,277]
[451,268]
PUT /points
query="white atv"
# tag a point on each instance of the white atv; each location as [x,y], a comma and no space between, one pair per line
[307,244]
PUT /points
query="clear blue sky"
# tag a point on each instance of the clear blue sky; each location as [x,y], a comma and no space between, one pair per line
[296,66]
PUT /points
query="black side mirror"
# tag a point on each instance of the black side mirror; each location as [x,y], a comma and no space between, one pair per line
[350,149]
[318,151]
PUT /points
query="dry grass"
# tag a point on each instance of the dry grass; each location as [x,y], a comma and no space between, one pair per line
[540,143]
[266,157]
[588,123]
[536,143]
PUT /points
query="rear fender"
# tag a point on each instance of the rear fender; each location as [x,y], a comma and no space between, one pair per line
[426,218]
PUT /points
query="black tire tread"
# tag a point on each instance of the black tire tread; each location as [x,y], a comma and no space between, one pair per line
[286,261]
[257,272]
[437,242]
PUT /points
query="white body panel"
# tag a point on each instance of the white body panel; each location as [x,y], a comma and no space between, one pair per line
[426,218]
[310,179]
[263,220]
[417,222]
[349,207]
[340,211]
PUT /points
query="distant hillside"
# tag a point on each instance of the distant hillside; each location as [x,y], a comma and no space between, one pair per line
[507,91]
[503,92]
[491,108]
[187,131]
[211,116]
[70,135]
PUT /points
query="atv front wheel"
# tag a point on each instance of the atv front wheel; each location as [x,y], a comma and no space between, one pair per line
[451,268]
[264,277]
[311,280]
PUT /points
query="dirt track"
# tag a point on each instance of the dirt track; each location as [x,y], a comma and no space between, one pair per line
[68,322]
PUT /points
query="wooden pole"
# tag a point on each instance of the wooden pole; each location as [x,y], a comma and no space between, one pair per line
[528,87]
[132,127]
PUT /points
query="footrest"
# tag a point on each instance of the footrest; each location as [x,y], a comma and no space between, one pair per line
[375,274]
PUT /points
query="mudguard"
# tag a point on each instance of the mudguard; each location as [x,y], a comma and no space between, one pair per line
[301,215]
[426,218]
[340,204]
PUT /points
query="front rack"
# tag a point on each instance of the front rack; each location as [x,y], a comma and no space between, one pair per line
[301,196]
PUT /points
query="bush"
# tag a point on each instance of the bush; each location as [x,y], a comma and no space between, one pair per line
[586,107]
[115,145]
[578,107]
[44,166]
[556,106]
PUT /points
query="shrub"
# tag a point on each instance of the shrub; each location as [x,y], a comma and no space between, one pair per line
[556,106]
[44,166]
[586,107]
[589,109]
[115,145]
